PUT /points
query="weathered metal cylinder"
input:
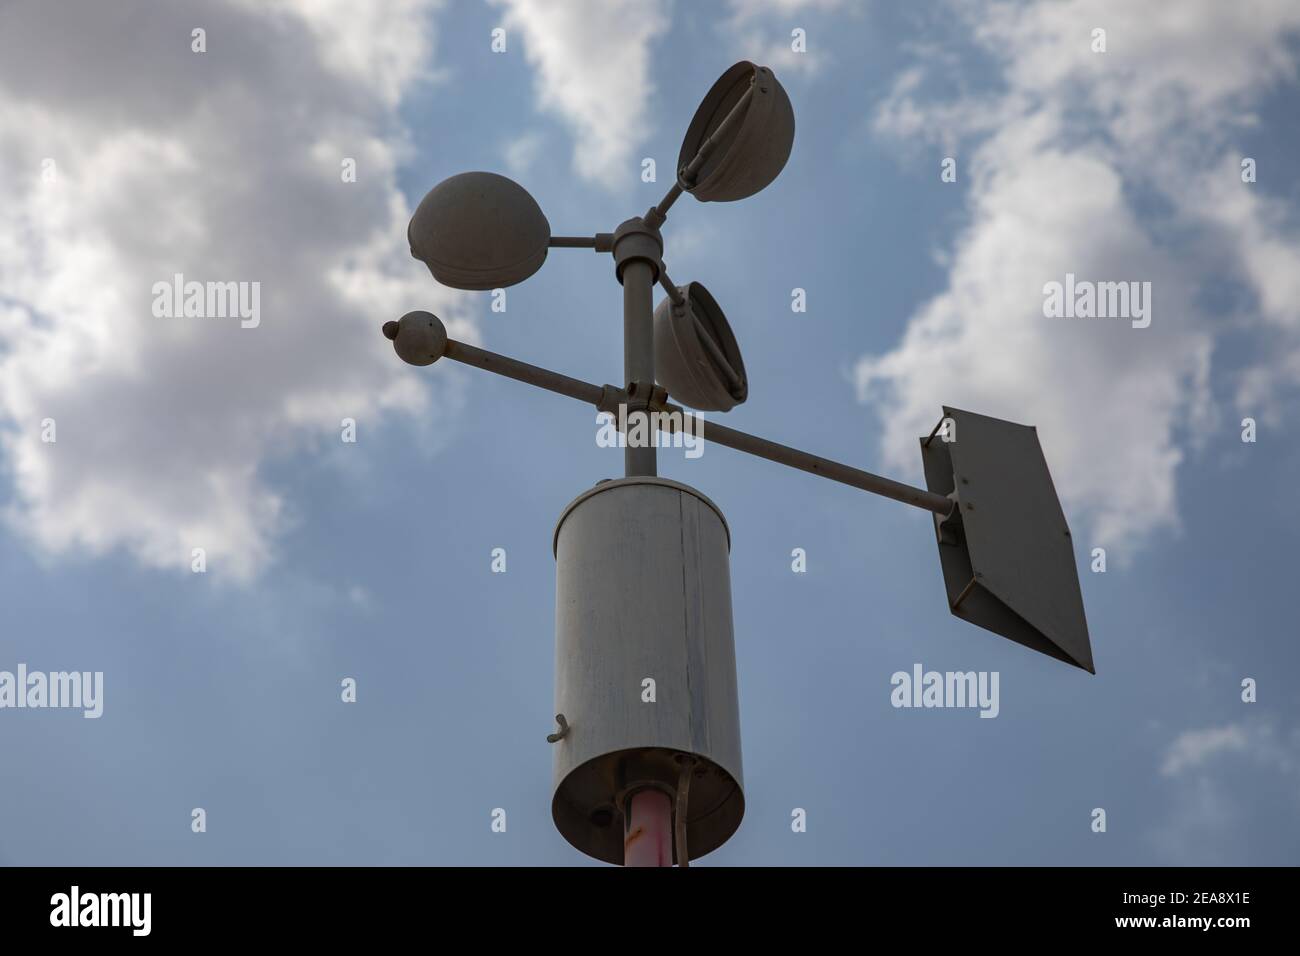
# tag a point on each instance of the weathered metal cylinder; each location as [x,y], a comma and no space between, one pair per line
[645,663]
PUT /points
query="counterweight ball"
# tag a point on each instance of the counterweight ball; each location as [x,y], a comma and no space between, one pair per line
[419,338]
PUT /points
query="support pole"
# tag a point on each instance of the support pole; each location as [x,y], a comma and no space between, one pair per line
[639,351]
[648,834]
[683,806]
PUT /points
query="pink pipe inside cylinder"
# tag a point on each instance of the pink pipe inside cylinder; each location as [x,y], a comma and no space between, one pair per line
[648,837]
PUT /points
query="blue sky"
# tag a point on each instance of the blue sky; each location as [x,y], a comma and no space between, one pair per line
[371,560]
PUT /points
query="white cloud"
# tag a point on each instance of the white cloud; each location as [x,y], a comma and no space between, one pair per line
[223,166]
[1257,238]
[761,31]
[380,46]
[1221,775]
[593,60]
[1062,161]
[521,152]
[1195,750]
[745,10]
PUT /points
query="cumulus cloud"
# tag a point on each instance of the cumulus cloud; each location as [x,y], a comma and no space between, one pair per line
[1194,747]
[135,159]
[522,152]
[761,31]
[1222,773]
[1196,750]
[1066,154]
[383,46]
[593,70]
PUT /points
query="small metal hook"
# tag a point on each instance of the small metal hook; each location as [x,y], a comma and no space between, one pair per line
[564,730]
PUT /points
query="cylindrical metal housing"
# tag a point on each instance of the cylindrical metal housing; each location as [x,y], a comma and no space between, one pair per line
[643,594]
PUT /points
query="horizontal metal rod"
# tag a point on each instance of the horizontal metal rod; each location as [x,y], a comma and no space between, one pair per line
[813,464]
[523,372]
[600,242]
[608,398]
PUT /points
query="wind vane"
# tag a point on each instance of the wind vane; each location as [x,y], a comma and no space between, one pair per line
[647,751]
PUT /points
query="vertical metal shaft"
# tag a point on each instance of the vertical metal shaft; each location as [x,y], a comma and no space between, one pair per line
[683,806]
[639,353]
[648,836]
